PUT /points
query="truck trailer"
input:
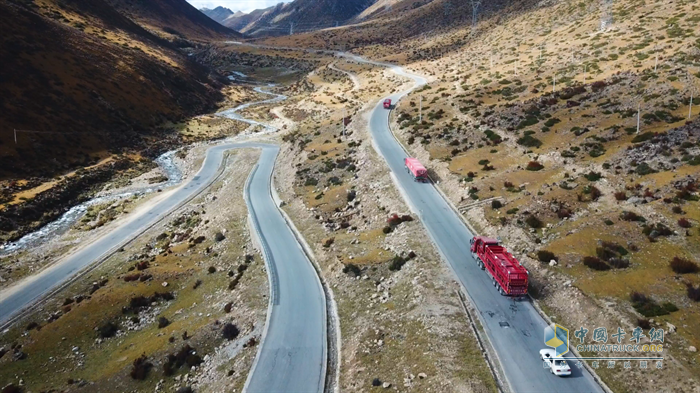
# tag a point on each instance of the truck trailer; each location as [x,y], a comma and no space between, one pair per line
[507,274]
[416,169]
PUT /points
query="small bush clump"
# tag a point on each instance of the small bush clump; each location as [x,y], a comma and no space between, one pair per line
[534,166]
[351,268]
[644,323]
[649,307]
[496,204]
[533,221]
[593,176]
[230,331]
[140,368]
[107,330]
[595,263]
[693,293]
[631,216]
[620,196]
[683,266]
[546,256]
[397,263]
[163,322]
[684,223]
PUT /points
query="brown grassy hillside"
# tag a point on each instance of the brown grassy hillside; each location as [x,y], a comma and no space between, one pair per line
[90,80]
[604,216]
[176,17]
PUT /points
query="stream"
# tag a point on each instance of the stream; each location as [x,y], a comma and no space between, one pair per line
[166,164]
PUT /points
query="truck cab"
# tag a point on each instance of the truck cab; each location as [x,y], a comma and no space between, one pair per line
[387,103]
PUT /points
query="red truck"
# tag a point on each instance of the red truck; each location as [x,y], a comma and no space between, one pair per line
[387,103]
[416,169]
[507,274]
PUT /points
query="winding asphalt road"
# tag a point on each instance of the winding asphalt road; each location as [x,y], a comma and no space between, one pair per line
[293,354]
[514,328]
[25,293]
[292,357]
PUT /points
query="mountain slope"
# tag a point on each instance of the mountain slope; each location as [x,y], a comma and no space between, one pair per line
[86,81]
[239,21]
[298,16]
[219,14]
[176,17]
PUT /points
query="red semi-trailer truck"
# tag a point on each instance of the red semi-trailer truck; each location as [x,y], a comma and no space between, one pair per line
[387,103]
[507,274]
[416,169]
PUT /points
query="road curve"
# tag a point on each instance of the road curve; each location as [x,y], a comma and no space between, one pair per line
[22,295]
[292,357]
[519,341]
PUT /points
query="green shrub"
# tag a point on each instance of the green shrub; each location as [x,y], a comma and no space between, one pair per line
[643,137]
[595,263]
[644,169]
[546,256]
[650,308]
[593,176]
[533,221]
[529,141]
[551,122]
[397,263]
[683,266]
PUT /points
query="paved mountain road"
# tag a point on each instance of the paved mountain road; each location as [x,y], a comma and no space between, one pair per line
[293,353]
[514,328]
[292,356]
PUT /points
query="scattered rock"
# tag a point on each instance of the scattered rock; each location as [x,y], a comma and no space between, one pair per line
[671,328]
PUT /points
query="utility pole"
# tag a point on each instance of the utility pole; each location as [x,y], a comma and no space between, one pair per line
[343,122]
[692,90]
[475,13]
[656,62]
[690,109]
[15,130]
[606,19]
[291,28]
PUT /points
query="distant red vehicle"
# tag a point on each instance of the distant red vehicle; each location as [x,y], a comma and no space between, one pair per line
[387,103]
[415,168]
[507,274]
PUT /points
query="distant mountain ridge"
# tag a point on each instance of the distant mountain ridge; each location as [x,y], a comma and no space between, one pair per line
[219,13]
[297,16]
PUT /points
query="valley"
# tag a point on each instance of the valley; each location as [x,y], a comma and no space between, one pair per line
[564,130]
